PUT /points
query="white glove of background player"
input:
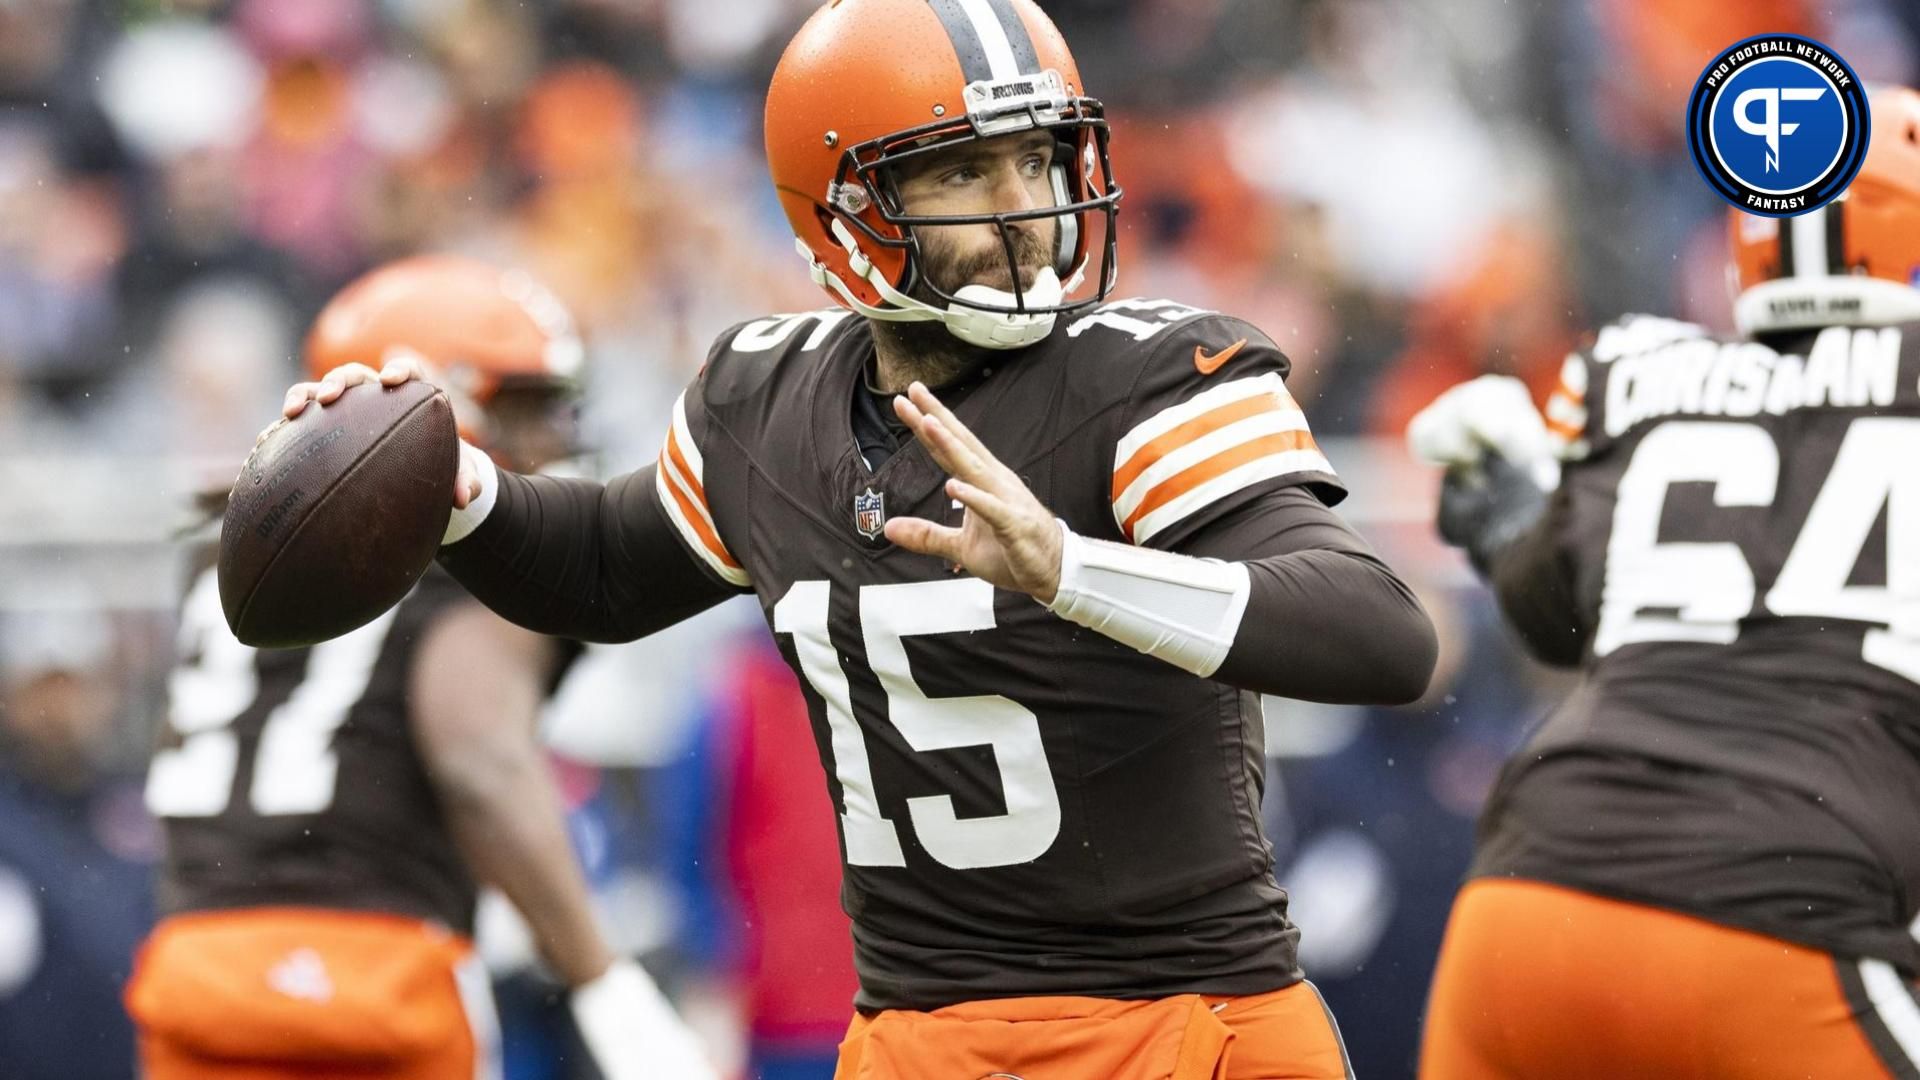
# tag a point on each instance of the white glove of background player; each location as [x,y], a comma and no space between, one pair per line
[1499,460]
[631,1030]
[1491,413]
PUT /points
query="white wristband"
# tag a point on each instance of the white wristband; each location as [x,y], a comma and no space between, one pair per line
[1182,609]
[632,1031]
[463,522]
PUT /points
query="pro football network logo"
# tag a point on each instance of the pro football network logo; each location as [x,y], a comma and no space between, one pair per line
[1778,125]
[869,513]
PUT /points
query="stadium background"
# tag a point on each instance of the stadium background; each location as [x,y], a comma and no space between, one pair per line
[1404,193]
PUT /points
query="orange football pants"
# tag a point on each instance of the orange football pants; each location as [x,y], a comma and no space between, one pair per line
[1536,980]
[303,993]
[1283,1035]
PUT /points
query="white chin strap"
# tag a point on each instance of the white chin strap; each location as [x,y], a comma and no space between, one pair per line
[973,325]
[1796,303]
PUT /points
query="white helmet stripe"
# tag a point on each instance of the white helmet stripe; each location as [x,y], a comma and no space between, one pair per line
[1809,244]
[993,39]
[979,62]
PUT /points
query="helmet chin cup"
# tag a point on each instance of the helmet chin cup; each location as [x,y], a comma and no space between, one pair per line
[975,326]
[988,329]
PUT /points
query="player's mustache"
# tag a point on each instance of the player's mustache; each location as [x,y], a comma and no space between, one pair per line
[1031,253]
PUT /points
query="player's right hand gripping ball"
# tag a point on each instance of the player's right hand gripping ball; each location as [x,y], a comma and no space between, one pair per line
[336,514]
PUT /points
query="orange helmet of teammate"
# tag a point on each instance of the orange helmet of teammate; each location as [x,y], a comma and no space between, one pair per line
[868,84]
[1854,261]
[479,329]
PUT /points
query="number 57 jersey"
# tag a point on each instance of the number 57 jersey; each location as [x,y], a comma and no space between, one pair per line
[291,777]
[1739,531]
[1025,806]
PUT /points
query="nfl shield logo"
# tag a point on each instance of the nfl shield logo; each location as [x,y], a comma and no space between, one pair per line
[869,513]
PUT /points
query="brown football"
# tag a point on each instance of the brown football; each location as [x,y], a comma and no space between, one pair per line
[336,514]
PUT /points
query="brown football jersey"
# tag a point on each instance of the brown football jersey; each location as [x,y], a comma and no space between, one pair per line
[1026,806]
[290,776]
[1739,528]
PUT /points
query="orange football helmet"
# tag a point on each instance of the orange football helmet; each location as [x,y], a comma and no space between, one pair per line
[1855,261]
[868,84]
[477,327]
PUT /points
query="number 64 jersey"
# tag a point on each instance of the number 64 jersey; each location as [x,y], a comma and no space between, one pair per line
[1026,806]
[1736,543]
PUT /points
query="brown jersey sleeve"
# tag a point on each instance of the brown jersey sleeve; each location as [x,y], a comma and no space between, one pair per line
[582,560]
[1212,457]
[1533,578]
[1532,573]
[1326,619]
[610,562]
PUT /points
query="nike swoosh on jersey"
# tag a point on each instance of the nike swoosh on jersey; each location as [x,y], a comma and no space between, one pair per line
[1207,365]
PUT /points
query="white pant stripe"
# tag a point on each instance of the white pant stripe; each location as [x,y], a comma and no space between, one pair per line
[1894,1002]
[476,995]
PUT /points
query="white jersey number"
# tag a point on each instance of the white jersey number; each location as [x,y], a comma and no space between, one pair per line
[1138,318]
[773,331]
[889,614]
[1701,591]
[294,767]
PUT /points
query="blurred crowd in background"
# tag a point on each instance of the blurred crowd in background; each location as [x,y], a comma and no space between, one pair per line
[1403,193]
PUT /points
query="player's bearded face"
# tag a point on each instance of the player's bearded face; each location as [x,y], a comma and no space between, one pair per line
[977,257]
[1006,174]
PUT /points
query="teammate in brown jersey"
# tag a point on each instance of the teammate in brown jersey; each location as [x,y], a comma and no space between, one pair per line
[1038,823]
[328,810]
[1707,862]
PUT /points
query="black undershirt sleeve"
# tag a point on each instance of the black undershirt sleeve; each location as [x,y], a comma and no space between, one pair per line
[1533,578]
[1326,619]
[578,559]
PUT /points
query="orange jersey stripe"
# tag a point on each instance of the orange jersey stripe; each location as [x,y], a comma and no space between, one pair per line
[1218,465]
[1564,429]
[1174,438]
[699,523]
[686,474]
[1568,392]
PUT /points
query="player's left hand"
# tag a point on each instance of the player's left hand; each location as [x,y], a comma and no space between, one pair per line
[1007,538]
